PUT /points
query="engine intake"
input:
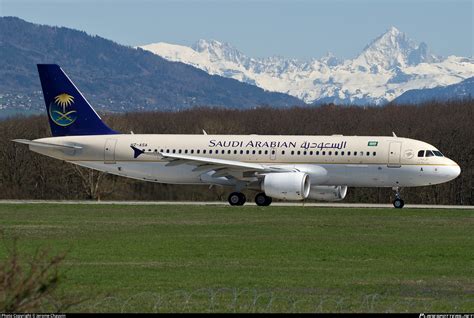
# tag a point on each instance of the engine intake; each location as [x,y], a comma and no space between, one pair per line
[287,185]
[328,193]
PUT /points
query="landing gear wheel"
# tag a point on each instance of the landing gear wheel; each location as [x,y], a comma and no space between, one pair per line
[236,198]
[262,200]
[398,203]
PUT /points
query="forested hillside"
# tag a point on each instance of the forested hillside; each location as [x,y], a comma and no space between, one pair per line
[115,78]
[27,175]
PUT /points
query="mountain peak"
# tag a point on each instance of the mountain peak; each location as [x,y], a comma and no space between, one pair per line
[393,30]
[219,50]
[395,49]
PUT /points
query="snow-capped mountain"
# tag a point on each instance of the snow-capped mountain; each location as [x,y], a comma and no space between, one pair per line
[462,90]
[387,67]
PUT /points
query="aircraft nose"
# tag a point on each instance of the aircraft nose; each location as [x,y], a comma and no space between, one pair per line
[454,171]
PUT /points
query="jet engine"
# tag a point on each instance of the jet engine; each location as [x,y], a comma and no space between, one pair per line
[287,185]
[328,193]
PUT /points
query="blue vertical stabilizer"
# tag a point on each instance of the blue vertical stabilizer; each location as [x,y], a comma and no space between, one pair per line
[69,113]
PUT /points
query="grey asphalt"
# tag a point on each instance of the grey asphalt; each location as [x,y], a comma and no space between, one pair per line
[305,204]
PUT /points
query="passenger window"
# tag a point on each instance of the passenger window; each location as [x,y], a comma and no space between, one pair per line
[298,153]
[292,152]
[374,153]
[210,151]
[355,153]
[253,152]
[259,152]
[368,153]
[361,153]
[247,152]
[324,153]
[330,153]
[192,150]
[317,153]
[311,153]
[429,153]
[174,150]
[273,152]
[421,153]
[235,152]
[266,152]
[342,153]
[304,153]
[241,152]
[283,152]
[335,153]
[204,151]
[198,151]
[348,153]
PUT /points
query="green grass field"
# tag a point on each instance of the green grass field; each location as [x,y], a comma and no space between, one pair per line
[252,259]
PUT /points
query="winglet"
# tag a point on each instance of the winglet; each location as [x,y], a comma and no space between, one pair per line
[136,152]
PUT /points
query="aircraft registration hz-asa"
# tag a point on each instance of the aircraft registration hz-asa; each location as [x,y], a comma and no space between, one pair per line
[278,167]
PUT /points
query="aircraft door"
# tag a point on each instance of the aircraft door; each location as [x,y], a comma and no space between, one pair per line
[109,151]
[394,154]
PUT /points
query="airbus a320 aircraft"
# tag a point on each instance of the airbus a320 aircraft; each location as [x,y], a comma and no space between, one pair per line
[279,167]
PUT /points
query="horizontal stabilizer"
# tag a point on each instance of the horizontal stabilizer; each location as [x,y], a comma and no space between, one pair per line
[45,144]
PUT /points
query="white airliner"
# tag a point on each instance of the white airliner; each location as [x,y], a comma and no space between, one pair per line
[279,167]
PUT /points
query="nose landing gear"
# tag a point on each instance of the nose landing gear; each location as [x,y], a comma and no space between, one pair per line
[398,203]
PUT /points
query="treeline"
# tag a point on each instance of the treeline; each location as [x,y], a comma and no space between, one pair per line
[448,126]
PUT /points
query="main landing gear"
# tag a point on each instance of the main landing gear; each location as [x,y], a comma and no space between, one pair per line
[238,198]
[398,203]
[262,200]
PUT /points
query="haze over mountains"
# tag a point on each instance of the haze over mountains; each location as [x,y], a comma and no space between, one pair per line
[113,77]
[117,78]
[386,68]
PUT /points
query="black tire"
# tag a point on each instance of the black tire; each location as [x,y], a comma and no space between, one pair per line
[398,203]
[262,200]
[234,198]
[243,199]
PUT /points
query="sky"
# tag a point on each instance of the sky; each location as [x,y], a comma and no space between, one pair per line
[291,28]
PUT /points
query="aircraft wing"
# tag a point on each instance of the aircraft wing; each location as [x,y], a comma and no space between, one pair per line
[45,144]
[218,164]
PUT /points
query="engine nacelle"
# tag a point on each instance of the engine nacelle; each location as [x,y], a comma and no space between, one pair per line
[328,193]
[287,185]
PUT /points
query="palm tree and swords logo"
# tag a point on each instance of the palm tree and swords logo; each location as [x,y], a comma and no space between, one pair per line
[58,111]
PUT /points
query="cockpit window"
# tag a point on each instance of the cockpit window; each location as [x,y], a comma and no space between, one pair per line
[421,153]
[438,153]
[429,153]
